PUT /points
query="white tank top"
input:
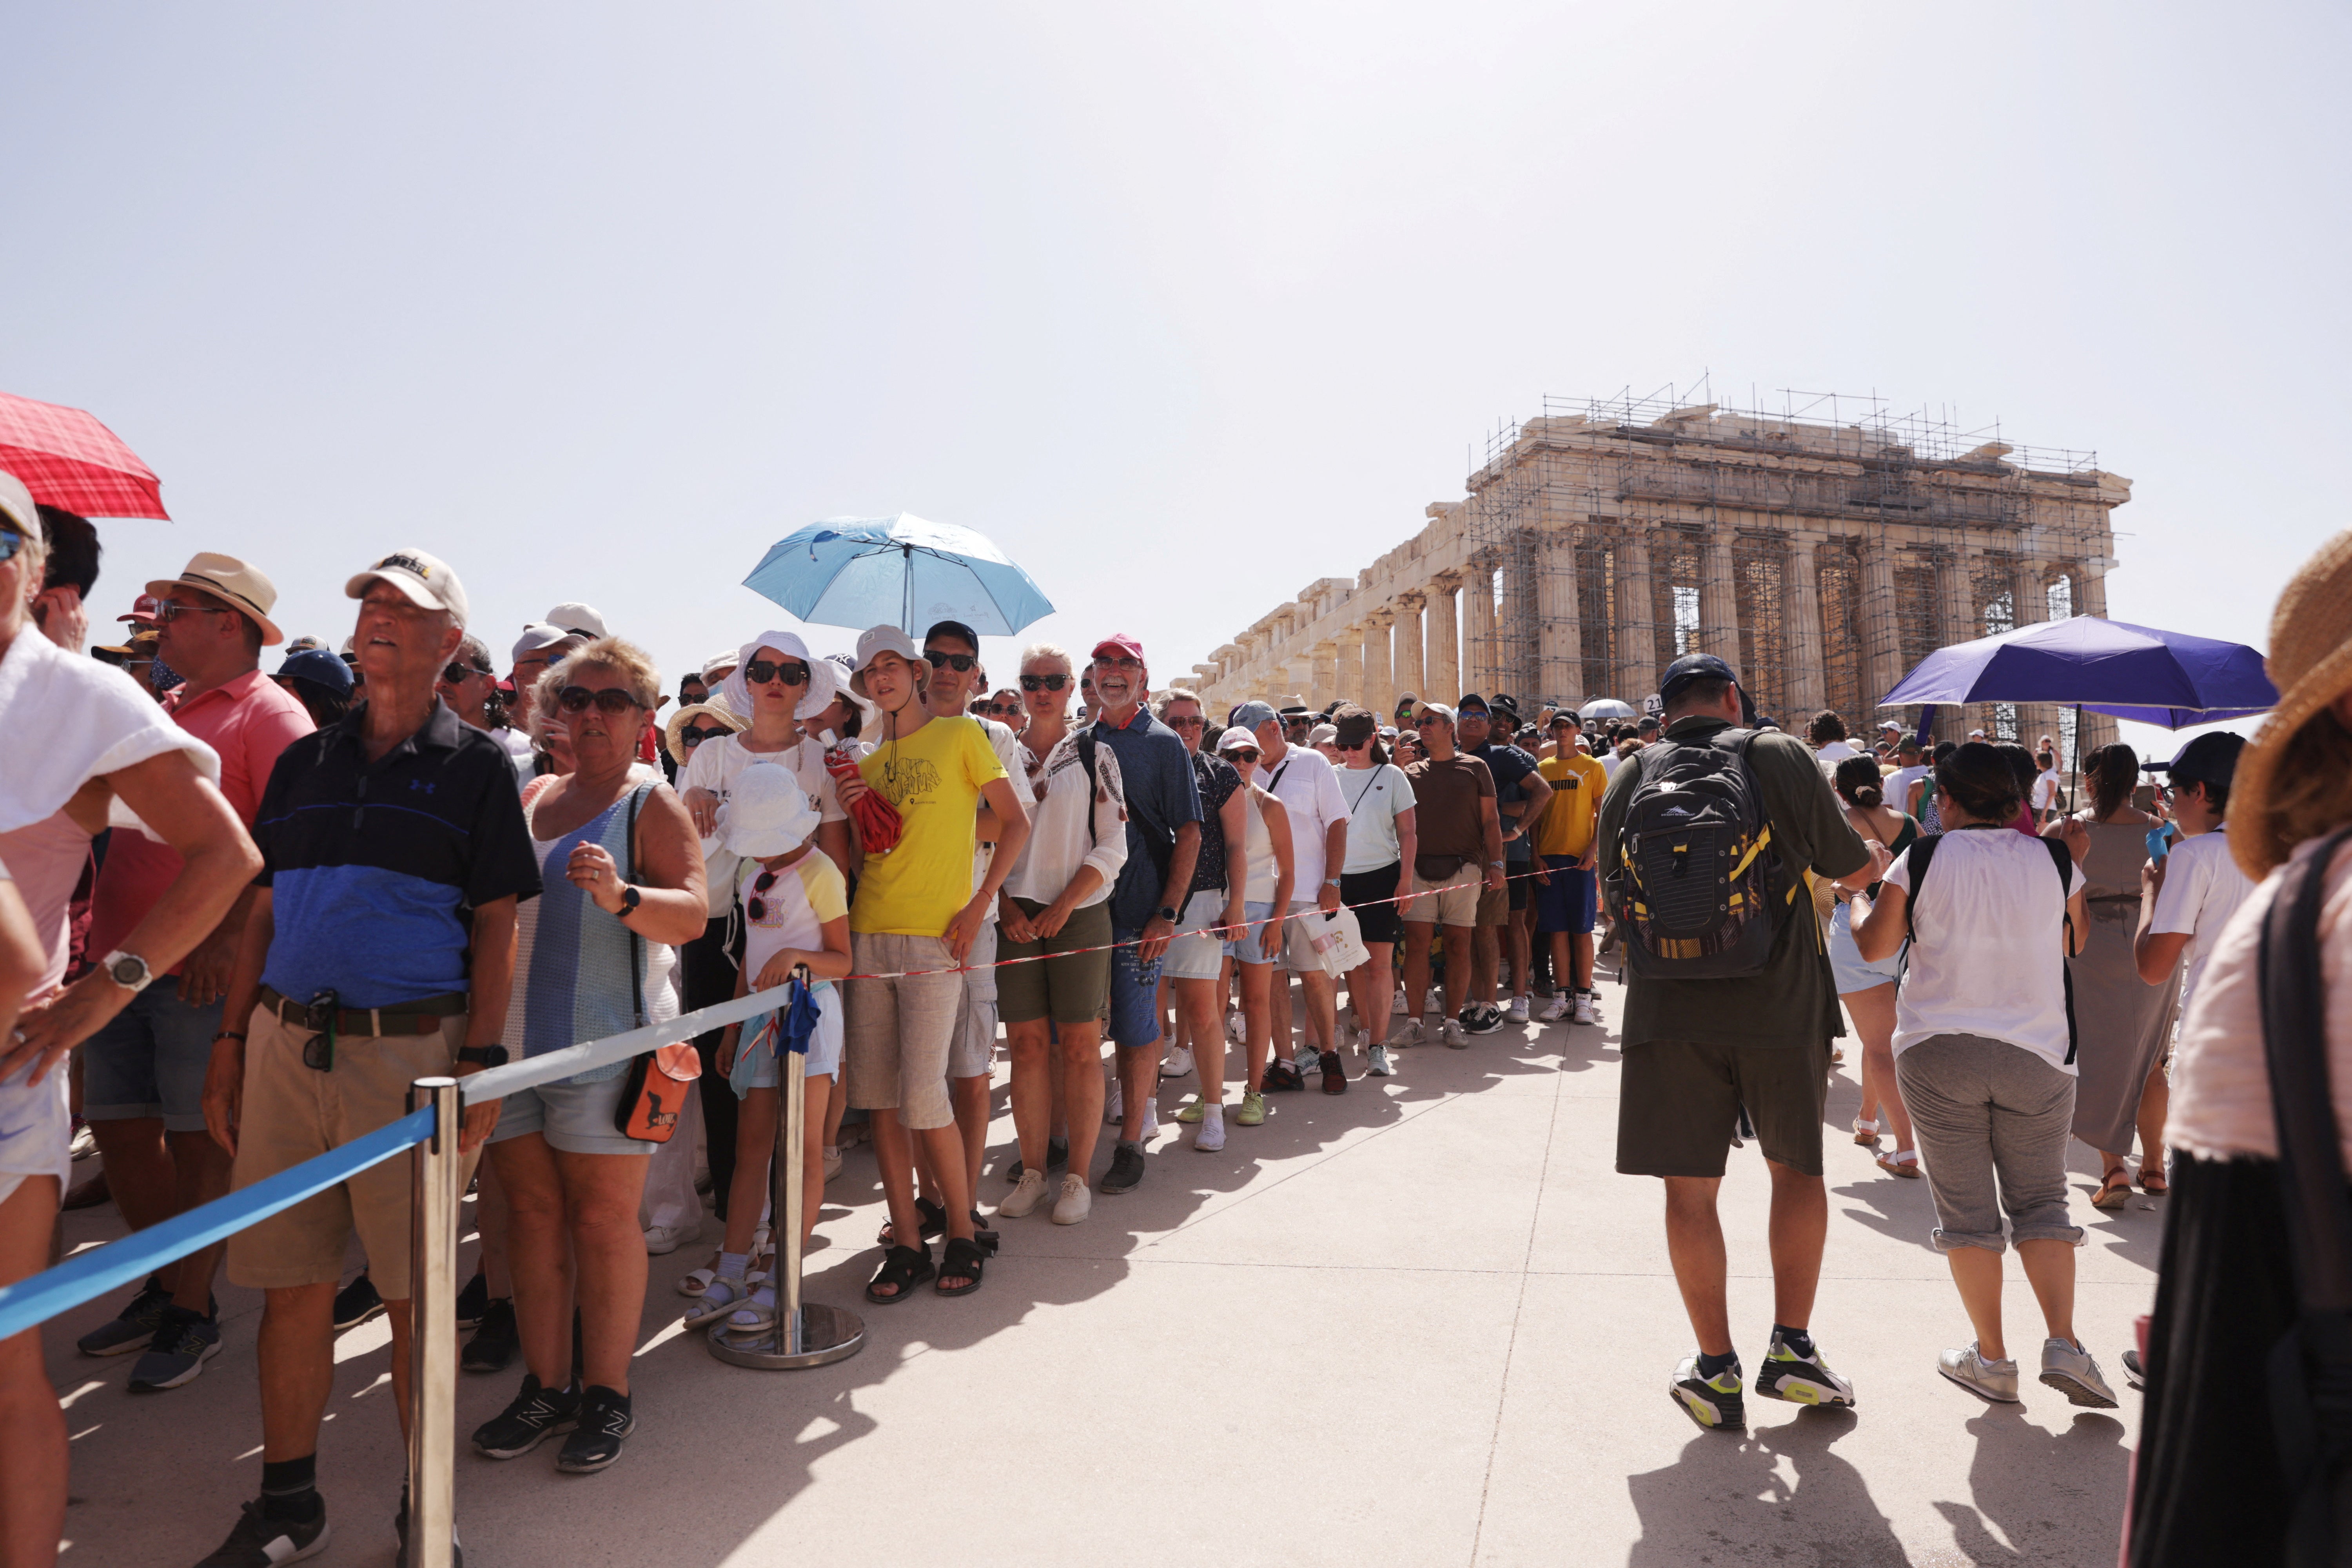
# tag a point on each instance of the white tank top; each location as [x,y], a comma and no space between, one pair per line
[1258,844]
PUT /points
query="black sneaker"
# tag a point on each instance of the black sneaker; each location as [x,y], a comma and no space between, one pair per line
[1125,1172]
[184,1341]
[260,1542]
[356,1302]
[605,1424]
[1482,1020]
[1714,1403]
[536,1415]
[133,1328]
[1057,1157]
[400,1529]
[473,1300]
[494,1345]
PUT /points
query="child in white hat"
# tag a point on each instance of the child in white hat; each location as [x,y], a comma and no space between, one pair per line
[795,912]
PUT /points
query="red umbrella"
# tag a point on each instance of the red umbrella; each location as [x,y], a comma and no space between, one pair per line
[67,459]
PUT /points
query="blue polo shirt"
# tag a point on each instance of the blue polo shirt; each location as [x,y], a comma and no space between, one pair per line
[1161,796]
[371,866]
[1512,768]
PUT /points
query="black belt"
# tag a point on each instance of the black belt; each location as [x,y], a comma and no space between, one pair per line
[421,1018]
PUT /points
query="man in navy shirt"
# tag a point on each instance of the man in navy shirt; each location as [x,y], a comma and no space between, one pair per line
[380,950]
[1163,839]
[1520,797]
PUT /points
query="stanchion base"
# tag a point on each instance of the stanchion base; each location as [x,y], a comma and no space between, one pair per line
[827,1334]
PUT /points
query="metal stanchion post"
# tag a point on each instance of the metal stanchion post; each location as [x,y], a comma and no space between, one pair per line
[434,1194]
[806,1333]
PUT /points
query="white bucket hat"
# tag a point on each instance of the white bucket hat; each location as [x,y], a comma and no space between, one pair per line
[766,813]
[735,691]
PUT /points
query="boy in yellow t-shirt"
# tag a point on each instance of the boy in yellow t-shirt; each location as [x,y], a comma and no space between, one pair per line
[1565,888]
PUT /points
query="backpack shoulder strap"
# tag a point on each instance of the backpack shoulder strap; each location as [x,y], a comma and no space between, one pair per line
[2063,859]
[1916,860]
[1086,758]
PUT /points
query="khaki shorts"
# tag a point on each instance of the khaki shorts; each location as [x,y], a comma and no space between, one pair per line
[973,1049]
[1453,902]
[1679,1105]
[292,1113]
[896,1055]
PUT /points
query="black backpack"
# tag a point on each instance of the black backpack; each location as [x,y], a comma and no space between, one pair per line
[1922,855]
[1697,891]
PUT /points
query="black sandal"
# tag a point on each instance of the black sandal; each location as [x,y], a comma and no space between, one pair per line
[935,1224]
[964,1259]
[905,1267]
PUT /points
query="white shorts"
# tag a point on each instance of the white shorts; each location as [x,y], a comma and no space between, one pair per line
[36,1129]
[1195,955]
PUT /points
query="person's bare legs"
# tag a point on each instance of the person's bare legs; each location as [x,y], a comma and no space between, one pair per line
[1138,1085]
[601,1194]
[1975,1270]
[2155,1103]
[755,1143]
[33,1481]
[153,1175]
[491,1219]
[1873,1019]
[816,1096]
[2049,1270]
[1461,966]
[1800,1228]
[295,1355]
[894,1149]
[1033,1070]
[1196,1009]
[969,1096]
[1486,950]
[200,1168]
[1322,1008]
[1695,1246]
[539,1253]
[1417,934]
[1257,1017]
[1078,1080]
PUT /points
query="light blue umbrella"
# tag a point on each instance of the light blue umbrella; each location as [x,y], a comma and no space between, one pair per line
[868,570]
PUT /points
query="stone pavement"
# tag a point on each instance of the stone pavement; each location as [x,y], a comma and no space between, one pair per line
[1424,1322]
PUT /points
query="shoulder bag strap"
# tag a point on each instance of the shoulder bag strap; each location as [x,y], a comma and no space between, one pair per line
[629,874]
[2063,859]
[1914,861]
[2310,1368]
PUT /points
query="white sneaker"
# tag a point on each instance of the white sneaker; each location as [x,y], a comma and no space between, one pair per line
[1023,1198]
[1381,1066]
[1114,1101]
[1408,1034]
[1236,1029]
[1075,1202]
[1556,1009]
[1992,1380]
[2070,1370]
[1177,1063]
[1150,1121]
[1586,1012]
[1400,1006]
[1519,1009]
[1211,1137]
[661,1238]
[1451,1032]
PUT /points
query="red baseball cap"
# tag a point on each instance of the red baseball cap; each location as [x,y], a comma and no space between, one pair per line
[143,611]
[1118,643]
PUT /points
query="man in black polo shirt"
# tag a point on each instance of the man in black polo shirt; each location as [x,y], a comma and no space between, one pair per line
[382,940]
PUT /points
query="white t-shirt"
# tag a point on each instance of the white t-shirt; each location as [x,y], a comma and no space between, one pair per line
[1987,958]
[1609,760]
[1898,785]
[713,765]
[1376,798]
[2202,889]
[2045,790]
[1833,754]
[1014,760]
[1308,787]
[1072,825]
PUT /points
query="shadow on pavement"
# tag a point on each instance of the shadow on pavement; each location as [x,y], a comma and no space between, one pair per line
[1774,1494]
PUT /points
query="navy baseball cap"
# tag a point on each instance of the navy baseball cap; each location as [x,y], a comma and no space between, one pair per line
[1472,700]
[316,664]
[2207,759]
[1694,666]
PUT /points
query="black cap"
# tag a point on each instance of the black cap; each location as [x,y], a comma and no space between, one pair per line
[1694,666]
[1470,697]
[2209,759]
[1504,699]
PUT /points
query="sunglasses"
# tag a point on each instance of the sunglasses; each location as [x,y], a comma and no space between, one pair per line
[1121,662]
[1194,722]
[1043,682]
[959,662]
[756,906]
[1426,719]
[11,542]
[695,734]
[455,674]
[172,610]
[792,672]
[612,700]
[1240,756]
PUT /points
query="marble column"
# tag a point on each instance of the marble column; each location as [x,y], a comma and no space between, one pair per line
[1559,643]
[1718,610]
[1323,676]
[1350,647]
[1380,685]
[1800,621]
[1515,649]
[2029,593]
[1882,652]
[1443,660]
[1960,620]
[2090,585]
[1637,674]
[1477,671]
[1408,645]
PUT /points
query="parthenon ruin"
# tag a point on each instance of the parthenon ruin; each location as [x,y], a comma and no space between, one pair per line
[1822,556]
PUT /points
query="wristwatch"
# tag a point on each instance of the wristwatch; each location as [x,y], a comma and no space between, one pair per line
[1331,881]
[630,899]
[127,970]
[482,1056]
[1167,914]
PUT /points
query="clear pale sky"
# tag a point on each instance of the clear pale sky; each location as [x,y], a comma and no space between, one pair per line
[1186,307]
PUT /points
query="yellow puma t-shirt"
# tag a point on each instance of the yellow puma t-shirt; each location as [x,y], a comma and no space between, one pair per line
[934,777]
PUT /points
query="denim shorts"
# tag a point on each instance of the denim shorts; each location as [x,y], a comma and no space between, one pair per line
[1260,946]
[151,1059]
[1195,955]
[1853,972]
[764,1067]
[576,1118]
[1134,994]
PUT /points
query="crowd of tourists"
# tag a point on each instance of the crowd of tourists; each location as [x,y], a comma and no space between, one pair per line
[241,912]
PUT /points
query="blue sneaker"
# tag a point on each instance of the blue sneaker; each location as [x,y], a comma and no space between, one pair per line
[184,1341]
[133,1328]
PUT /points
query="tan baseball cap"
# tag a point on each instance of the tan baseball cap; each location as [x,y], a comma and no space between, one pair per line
[426,579]
[234,584]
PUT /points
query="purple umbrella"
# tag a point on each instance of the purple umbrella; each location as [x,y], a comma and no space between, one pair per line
[2109,667]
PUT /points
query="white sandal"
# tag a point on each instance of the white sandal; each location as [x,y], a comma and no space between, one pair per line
[1867,1139]
[757,1312]
[1902,1162]
[697,1281]
[723,1297]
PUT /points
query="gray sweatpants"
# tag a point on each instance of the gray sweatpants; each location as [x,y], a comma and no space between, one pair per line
[1993,1119]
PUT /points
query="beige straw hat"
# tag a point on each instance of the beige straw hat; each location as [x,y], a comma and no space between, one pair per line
[2310,662]
[688,714]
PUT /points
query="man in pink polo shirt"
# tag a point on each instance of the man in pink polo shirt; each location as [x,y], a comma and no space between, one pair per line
[144,1073]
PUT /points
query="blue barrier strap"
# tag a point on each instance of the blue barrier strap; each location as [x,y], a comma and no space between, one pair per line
[102,1268]
[495,1083]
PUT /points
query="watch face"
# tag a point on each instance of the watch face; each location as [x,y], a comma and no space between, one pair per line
[128,971]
